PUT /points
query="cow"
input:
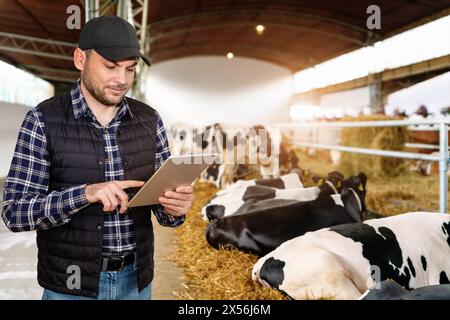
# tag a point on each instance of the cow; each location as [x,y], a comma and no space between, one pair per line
[188,139]
[223,175]
[268,223]
[391,290]
[226,204]
[342,262]
[238,149]
[227,201]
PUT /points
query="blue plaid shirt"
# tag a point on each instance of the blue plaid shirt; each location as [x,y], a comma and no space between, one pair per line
[27,205]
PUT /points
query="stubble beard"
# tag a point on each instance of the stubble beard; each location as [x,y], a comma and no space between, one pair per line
[96,92]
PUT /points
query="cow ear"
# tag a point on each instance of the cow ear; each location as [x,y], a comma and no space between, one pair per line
[361,187]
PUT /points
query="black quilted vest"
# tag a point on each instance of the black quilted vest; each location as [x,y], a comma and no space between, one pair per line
[77,154]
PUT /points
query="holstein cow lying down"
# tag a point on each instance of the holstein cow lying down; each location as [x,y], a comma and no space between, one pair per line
[268,223]
[228,200]
[412,249]
[226,204]
[391,290]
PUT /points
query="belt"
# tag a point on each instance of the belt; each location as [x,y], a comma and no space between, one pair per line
[117,262]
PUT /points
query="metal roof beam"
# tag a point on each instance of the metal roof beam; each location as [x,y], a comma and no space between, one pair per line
[36,46]
[58,79]
[91,9]
[106,6]
[140,7]
[403,72]
[53,74]
[49,69]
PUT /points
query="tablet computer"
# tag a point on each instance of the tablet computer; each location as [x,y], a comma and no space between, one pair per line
[175,171]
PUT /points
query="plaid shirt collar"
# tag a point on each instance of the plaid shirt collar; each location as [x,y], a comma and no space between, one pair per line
[81,108]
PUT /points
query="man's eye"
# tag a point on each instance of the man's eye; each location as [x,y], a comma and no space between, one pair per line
[131,70]
[109,67]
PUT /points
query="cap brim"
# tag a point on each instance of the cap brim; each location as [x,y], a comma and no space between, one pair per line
[121,53]
[145,59]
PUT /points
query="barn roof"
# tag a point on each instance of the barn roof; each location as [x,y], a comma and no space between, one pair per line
[299,33]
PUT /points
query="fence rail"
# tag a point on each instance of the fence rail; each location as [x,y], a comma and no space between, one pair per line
[443,158]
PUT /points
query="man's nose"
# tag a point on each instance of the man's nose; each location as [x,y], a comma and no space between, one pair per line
[121,76]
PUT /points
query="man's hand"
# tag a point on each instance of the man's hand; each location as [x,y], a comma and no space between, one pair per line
[179,201]
[111,194]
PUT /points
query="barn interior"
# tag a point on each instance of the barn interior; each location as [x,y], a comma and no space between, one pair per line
[315,74]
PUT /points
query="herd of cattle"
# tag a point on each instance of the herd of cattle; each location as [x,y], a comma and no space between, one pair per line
[239,149]
[322,242]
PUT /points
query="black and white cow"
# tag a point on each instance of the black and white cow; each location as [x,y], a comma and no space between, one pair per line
[227,201]
[268,223]
[391,290]
[344,261]
[231,199]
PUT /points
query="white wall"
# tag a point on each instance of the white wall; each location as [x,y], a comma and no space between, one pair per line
[202,90]
[433,93]
[11,117]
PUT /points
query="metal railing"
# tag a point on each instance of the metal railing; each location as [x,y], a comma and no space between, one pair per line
[443,158]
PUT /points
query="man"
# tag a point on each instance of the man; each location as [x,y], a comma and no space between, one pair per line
[75,155]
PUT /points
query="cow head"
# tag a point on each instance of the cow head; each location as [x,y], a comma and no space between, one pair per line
[334,178]
[354,194]
[214,211]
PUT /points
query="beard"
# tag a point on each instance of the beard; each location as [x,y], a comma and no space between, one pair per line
[99,93]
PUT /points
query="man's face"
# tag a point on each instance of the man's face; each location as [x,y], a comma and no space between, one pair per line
[107,81]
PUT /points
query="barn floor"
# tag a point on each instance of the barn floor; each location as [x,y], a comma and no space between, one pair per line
[169,279]
[18,259]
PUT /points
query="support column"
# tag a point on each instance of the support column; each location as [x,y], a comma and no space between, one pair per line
[375,89]
[91,9]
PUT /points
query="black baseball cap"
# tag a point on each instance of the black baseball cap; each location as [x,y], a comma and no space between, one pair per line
[112,37]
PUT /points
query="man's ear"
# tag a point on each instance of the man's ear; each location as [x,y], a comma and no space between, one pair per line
[79,59]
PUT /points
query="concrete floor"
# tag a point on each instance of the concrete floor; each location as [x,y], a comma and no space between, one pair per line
[167,284]
[18,259]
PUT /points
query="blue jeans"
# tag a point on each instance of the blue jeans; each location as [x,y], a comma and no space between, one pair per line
[113,285]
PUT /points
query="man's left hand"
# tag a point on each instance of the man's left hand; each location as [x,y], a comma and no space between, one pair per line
[179,201]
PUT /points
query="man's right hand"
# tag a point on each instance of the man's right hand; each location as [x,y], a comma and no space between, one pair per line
[111,194]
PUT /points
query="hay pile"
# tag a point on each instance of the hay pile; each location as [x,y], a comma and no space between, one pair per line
[381,138]
[210,273]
